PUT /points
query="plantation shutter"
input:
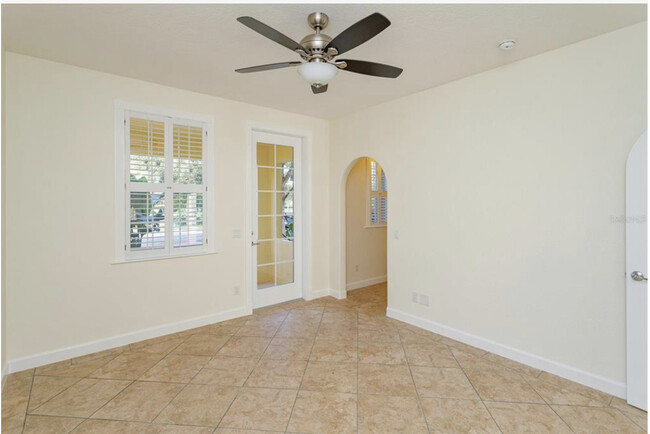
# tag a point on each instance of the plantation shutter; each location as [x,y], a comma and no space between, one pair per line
[164,185]
[378,194]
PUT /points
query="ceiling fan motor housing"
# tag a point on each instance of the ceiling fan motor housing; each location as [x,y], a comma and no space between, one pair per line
[316,41]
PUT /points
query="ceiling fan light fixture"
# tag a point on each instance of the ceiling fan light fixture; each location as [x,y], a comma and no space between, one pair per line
[317,73]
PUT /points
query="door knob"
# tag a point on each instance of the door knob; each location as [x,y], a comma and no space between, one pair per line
[253,243]
[638,276]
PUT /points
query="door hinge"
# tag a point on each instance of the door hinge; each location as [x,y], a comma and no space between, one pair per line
[125,247]
[124,122]
[206,241]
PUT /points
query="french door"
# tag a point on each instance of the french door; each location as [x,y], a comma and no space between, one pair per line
[277,225]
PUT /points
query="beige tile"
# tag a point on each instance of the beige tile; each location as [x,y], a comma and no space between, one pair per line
[140,402]
[297,329]
[431,354]
[221,329]
[50,424]
[262,409]
[381,352]
[459,346]
[409,335]
[330,377]
[45,388]
[528,418]
[127,366]
[226,371]
[390,414]
[337,331]
[77,368]
[91,426]
[325,350]
[475,362]
[442,383]
[15,396]
[511,364]
[260,330]
[637,415]
[199,404]
[596,420]
[83,398]
[176,429]
[457,416]
[162,345]
[385,379]
[324,412]
[378,333]
[201,345]
[244,346]
[556,390]
[289,349]
[498,385]
[175,368]
[279,374]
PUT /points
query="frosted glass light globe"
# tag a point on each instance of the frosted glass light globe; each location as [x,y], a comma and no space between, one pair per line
[317,72]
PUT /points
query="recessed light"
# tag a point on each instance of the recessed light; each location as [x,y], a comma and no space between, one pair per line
[508,44]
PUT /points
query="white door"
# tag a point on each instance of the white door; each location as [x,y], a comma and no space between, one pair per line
[277,224]
[636,203]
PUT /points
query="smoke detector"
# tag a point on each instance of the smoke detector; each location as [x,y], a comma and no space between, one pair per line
[508,44]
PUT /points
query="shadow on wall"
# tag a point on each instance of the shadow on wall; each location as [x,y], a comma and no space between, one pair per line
[366,219]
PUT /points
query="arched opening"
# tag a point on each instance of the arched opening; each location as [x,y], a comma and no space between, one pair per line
[365,229]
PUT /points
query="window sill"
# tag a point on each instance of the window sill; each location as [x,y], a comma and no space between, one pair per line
[375,226]
[160,258]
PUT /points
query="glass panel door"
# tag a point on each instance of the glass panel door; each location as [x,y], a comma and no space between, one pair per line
[276,224]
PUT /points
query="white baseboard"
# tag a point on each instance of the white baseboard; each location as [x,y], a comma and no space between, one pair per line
[363,283]
[4,375]
[48,357]
[561,370]
[319,294]
[338,294]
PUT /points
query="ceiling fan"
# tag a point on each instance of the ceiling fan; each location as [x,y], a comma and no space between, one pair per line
[318,50]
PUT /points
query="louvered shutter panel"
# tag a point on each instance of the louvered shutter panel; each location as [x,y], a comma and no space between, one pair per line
[188,166]
[165,213]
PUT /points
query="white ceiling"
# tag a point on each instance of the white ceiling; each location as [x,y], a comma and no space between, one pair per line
[197,47]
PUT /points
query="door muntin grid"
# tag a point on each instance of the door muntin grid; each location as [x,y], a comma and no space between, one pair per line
[275,215]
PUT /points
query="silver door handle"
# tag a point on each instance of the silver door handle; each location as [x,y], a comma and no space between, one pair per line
[253,243]
[638,276]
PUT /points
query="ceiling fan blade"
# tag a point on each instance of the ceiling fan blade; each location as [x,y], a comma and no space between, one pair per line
[321,89]
[360,32]
[371,68]
[268,67]
[270,33]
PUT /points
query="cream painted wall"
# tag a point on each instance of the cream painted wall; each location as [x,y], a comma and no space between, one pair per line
[62,288]
[504,188]
[365,246]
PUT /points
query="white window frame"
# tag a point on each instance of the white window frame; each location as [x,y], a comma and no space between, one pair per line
[379,194]
[122,215]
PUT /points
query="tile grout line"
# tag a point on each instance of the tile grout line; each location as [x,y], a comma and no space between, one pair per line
[302,378]
[546,402]
[29,398]
[476,391]
[417,392]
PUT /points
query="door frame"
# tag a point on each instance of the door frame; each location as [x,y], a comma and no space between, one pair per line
[637,392]
[306,156]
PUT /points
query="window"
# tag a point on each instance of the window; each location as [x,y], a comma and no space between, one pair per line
[377,194]
[164,173]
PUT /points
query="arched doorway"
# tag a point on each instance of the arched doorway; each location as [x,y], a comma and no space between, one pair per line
[365,226]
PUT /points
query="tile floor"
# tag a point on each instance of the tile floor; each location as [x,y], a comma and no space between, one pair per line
[320,366]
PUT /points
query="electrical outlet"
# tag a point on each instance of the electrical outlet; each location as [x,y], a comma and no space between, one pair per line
[424,300]
[414,297]
[235,290]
